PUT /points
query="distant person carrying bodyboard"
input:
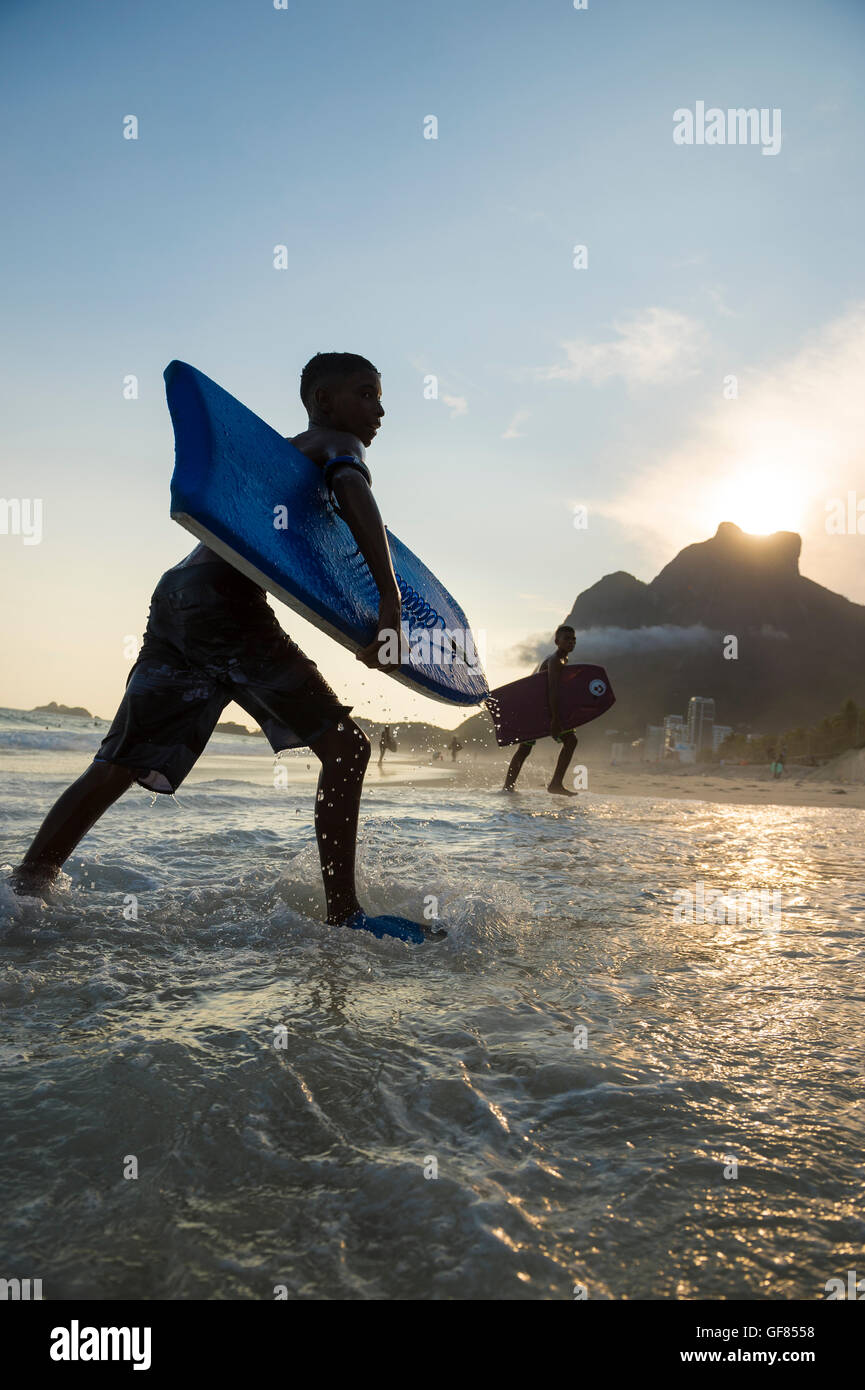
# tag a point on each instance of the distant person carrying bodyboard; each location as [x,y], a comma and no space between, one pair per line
[565,639]
[211,636]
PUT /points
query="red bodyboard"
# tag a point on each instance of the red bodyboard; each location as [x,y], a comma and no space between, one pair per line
[520,711]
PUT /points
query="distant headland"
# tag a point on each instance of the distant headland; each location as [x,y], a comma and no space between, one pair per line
[227,727]
[54,708]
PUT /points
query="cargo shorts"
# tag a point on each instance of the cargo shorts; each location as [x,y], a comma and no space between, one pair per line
[212,638]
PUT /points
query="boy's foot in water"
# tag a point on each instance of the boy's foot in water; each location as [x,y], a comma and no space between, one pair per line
[398,927]
[559,789]
[29,881]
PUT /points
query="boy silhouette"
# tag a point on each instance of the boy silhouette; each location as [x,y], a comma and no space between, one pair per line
[211,638]
[565,640]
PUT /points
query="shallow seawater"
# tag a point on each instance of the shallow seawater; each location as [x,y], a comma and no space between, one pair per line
[361,1119]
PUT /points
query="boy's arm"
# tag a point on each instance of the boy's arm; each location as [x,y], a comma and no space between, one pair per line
[357,507]
[359,511]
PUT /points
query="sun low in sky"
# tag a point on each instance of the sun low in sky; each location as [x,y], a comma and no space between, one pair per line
[760,499]
[777,456]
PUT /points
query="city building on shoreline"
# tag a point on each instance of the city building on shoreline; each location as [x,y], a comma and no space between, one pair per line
[701,721]
[685,738]
[653,744]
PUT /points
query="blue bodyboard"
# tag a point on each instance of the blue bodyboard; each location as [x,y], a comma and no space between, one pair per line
[263,506]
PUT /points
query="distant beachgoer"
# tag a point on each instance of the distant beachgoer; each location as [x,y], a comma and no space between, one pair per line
[386,743]
[566,640]
[455,747]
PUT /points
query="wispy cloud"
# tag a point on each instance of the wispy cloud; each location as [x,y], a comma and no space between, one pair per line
[655,347]
[607,642]
[458,405]
[512,431]
[694,258]
[716,294]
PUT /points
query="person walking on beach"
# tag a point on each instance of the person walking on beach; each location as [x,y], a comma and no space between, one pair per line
[565,640]
[386,744]
[211,638]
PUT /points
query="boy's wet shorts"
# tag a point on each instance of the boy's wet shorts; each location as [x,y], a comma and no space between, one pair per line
[211,638]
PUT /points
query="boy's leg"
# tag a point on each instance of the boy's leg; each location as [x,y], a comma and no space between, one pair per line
[344,752]
[569,744]
[167,714]
[287,696]
[68,821]
[515,766]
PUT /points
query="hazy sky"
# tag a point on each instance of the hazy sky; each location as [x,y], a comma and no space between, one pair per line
[601,386]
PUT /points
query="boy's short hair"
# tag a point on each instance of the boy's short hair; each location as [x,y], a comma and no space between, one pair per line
[563,627]
[326,366]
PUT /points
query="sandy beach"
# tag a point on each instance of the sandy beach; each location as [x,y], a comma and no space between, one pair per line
[834,785]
